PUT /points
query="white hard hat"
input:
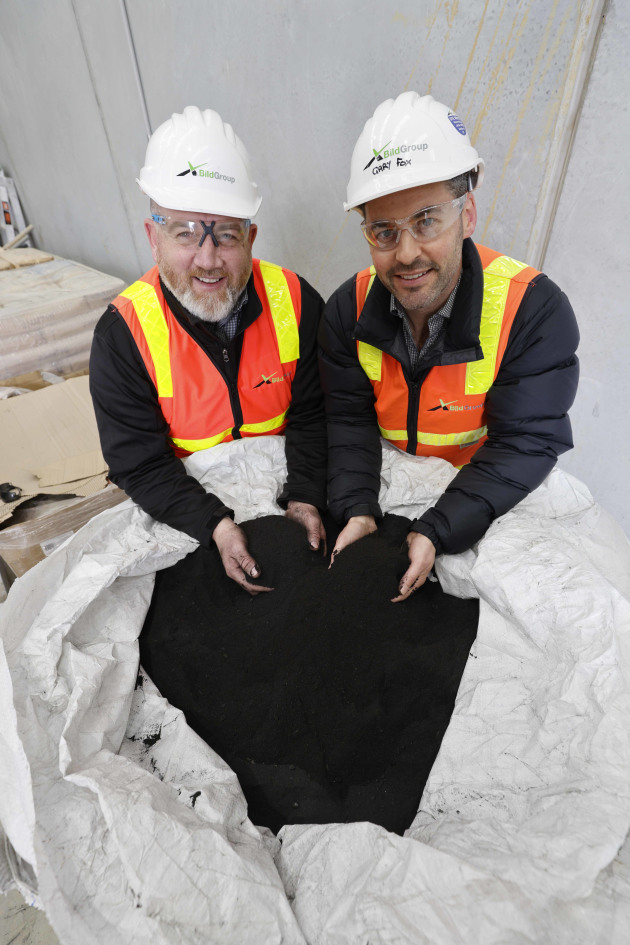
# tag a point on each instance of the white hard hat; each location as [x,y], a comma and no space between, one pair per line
[409,141]
[195,161]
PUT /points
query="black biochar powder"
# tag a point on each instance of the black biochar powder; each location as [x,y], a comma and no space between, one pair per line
[328,701]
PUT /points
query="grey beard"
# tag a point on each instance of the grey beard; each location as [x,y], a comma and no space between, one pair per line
[209,310]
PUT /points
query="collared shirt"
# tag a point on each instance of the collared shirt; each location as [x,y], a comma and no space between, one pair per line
[436,325]
[227,328]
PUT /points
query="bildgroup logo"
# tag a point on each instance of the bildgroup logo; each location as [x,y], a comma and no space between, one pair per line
[197,170]
[442,405]
[384,155]
[192,169]
[377,156]
[271,379]
[453,405]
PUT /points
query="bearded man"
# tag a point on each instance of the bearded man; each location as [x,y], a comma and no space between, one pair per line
[208,346]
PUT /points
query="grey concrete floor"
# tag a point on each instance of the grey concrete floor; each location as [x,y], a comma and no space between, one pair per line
[21,924]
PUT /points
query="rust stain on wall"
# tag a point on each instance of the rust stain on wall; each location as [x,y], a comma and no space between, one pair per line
[452,10]
[522,112]
[431,20]
[555,110]
[499,75]
[471,55]
[442,58]
[484,66]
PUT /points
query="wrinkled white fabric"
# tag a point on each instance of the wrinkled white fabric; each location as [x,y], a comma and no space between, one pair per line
[135,831]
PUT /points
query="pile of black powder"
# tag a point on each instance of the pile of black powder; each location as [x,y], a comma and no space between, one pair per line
[327,700]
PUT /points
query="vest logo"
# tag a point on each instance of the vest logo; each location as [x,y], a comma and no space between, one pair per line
[196,169]
[453,405]
[271,379]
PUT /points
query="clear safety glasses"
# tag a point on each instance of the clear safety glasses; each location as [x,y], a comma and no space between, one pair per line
[191,234]
[424,225]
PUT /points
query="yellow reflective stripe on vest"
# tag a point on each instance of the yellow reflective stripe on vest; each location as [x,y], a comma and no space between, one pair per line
[370,358]
[265,426]
[438,439]
[191,446]
[282,311]
[153,323]
[496,285]
[372,277]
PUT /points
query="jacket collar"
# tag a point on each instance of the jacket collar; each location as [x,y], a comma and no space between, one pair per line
[379,327]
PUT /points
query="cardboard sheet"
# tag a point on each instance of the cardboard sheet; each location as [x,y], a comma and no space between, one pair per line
[132,830]
[51,443]
[35,380]
[41,527]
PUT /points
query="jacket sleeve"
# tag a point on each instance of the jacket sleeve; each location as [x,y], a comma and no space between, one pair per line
[134,439]
[354,448]
[527,422]
[305,433]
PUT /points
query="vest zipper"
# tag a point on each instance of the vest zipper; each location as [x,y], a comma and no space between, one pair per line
[413,409]
[234,398]
[412,417]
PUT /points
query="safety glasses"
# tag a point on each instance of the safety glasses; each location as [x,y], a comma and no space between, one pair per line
[424,225]
[190,234]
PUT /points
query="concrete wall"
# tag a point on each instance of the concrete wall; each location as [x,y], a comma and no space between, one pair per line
[71,130]
[589,256]
[298,80]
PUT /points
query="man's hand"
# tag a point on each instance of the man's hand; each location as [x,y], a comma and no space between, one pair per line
[421,557]
[358,526]
[237,561]
[308,516]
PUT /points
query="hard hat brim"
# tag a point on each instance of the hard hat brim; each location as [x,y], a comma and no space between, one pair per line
[173,199]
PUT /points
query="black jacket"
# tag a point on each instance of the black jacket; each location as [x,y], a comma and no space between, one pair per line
[134,433]
[526,406]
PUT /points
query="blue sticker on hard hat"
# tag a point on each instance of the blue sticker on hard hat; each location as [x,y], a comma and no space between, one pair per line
[457,123]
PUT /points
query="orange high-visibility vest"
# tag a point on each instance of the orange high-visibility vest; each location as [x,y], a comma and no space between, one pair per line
[193,395]
[451,421]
